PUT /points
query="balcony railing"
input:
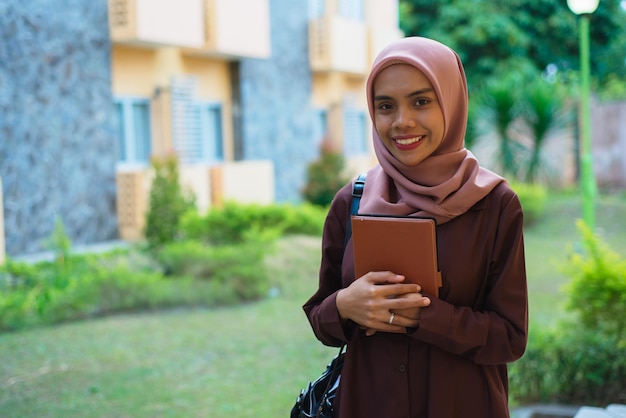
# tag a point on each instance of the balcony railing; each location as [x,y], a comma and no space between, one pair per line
[234,28]
[338,44]
[239,28]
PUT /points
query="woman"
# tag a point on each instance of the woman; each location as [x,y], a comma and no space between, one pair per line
[412,354]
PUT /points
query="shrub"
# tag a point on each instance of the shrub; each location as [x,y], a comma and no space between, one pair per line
[324,176]
[128,280]
[576,366]
[168,203]
[235,222]
[597,290]
[533,198]
[584,361]
[239,268]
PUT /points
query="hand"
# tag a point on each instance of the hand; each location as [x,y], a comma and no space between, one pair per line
[370,300]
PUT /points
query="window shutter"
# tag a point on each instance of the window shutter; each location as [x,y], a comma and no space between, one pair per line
[186,120]
[354,142]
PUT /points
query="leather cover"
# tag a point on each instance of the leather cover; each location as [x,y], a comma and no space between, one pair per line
[402,245]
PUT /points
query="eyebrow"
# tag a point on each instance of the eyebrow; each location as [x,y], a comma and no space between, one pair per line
[415,93]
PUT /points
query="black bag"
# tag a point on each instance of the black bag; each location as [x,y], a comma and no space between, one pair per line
[316,400]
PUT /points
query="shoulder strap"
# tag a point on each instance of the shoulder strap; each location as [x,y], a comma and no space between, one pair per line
[357,192]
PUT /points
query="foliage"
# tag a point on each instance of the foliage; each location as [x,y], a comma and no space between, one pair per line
[522,121]
[168,203]
[36,295]
[488,34]
[237,268]
[597,290]
[614,89]
[542,112]
[583,361]
[324,177]
[119,282]
[59,243]
[573,366]
[500,103]
[216,259]
[533,198]
[236,222]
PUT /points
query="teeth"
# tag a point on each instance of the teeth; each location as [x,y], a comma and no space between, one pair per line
[409,141]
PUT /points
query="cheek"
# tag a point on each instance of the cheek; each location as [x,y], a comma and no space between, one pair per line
[381,124]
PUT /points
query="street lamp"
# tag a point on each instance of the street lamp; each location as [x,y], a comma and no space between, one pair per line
[584,8]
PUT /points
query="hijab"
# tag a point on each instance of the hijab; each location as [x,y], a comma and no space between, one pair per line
[449,181]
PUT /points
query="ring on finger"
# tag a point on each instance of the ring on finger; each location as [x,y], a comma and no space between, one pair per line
[391,318]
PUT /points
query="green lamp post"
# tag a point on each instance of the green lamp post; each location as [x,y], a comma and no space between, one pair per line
[584,8]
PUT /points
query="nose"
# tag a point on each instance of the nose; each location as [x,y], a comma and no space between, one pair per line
[405,118]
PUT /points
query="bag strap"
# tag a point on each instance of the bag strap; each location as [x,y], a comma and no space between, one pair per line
[357,193]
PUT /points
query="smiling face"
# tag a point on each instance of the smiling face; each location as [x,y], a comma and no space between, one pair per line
[407,113]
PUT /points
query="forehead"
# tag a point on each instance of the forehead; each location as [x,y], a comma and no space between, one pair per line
[400,76]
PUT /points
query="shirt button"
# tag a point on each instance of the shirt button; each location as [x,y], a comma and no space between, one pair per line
[402,368]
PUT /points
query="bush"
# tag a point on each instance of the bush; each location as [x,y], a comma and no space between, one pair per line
[89,286]
[324,176]
[216,259]
[577,366]
[584,362]
[168,203]
[533,198]
[239,268]
[123,281]
[597,291]
[236,223]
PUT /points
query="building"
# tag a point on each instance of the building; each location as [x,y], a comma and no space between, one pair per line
[242,91]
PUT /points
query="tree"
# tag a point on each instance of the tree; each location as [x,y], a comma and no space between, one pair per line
[543,112]
[488,34]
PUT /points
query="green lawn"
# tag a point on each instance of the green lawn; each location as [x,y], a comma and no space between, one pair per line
[244,361]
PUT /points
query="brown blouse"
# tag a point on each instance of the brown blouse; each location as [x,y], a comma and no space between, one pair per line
[455,363]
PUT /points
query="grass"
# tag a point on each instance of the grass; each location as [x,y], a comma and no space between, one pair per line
[243,361]
[548,243]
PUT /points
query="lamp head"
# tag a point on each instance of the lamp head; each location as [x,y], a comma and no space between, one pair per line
[581,7]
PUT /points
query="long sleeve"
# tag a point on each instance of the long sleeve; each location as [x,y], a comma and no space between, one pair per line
[321,308]
[483,311]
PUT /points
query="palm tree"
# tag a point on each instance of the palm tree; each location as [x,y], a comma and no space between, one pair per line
[500,101]
[542,113]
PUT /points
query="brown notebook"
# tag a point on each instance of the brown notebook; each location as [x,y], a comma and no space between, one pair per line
[402,245]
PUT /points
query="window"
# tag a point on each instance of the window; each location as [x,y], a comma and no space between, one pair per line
[354,138]
[196,125]
[134,143]
[320,128]
[212,149]
[316,9]
[352,9]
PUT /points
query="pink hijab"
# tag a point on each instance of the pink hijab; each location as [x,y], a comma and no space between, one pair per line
[449,181]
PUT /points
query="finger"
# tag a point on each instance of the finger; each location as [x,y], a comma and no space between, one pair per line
[383,277]
[397,320]
[401,289]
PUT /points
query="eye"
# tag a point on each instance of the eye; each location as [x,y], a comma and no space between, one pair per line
[422,101]
[384,106]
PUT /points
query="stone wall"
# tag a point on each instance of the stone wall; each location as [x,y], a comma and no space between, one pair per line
[608,144]
[57,122]
[277,118]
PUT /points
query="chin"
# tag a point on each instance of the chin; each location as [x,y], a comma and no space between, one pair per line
[410,162]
